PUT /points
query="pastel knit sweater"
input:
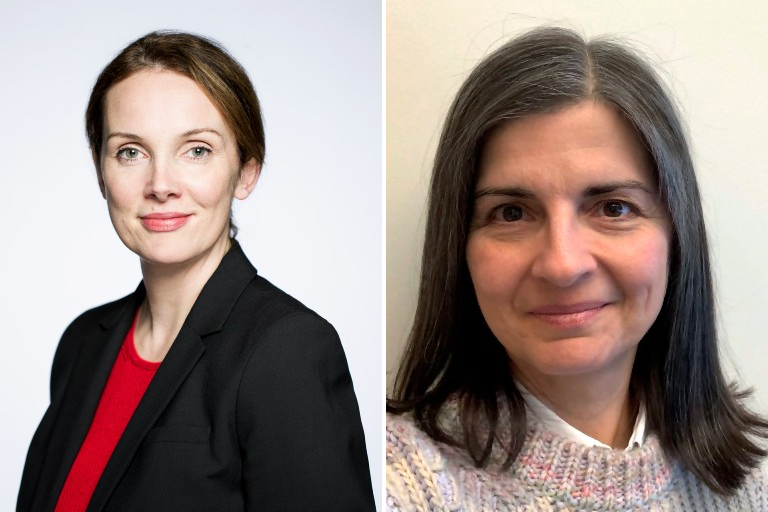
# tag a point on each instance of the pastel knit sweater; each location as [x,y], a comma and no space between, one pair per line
[551,473]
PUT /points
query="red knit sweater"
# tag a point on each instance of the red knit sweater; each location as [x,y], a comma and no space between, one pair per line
[127,383]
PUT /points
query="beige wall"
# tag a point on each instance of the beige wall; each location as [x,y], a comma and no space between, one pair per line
[715,56]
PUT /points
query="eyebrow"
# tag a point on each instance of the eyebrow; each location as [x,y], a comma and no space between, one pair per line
[594,190]
[189,133]
[125,135]
[197,131]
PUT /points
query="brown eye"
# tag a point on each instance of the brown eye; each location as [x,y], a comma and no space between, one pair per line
[616,209]
[510,213]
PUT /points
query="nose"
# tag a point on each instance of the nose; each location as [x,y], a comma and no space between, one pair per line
[162,183]
[564,257]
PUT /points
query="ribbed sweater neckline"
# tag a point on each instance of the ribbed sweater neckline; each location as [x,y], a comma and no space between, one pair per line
[553,465]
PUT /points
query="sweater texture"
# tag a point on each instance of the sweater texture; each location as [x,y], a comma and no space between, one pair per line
[550,473]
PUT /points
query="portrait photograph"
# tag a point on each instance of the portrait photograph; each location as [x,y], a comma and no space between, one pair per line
[192,278]
[574,275]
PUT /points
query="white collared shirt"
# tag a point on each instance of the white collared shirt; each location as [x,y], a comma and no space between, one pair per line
[555,423]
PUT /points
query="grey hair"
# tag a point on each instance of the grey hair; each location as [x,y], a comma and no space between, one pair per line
[700,420]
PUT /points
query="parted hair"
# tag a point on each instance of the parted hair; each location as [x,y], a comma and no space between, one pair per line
[699,417]
[203,60]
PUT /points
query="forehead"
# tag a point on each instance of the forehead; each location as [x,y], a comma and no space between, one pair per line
[155,99]
[586,142]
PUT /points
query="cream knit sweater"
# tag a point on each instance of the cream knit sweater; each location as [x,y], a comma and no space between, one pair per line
[551,473]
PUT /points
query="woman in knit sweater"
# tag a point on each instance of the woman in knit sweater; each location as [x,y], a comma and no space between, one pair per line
[564,350]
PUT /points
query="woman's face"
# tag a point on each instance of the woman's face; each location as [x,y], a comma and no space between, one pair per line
[569,241]
[170,168]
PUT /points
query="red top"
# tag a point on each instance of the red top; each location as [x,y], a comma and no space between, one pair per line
[127,383]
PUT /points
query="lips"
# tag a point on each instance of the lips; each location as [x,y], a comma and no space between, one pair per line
[164,221]
[568,316]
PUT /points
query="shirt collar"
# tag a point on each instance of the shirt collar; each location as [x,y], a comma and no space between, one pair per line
[555,423]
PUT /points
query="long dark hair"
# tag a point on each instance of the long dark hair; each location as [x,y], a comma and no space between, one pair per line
[699,418]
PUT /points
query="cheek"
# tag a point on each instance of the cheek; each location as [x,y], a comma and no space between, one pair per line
[211,190]
[643,272]
[121,193]
[495,269]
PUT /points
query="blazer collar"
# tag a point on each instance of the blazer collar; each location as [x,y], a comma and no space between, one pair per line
[216,299]
[220,293]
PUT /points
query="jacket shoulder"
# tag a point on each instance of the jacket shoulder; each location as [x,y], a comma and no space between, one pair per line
[78,330]
[263,292]
[262,307]
[99,314]
[295,390]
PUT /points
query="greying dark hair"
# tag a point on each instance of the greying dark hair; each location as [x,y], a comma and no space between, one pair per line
[699,418]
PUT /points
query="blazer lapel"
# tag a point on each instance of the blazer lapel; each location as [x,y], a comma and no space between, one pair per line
[180,360]
[208,315]
[83,393]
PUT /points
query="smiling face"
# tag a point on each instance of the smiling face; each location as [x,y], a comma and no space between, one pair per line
[170,168]
[569,241]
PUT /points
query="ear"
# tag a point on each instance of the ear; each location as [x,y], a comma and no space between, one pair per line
[249,175]
[100,177]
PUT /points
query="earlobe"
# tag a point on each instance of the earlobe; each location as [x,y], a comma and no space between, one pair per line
[249,175]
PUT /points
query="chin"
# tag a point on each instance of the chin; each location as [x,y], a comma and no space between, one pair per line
[168,252]
[577,356]
[164,258]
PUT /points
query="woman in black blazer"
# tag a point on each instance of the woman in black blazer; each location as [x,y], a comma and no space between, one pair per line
[246,402]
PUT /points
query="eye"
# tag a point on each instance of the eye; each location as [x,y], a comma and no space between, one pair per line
[507,213]
[129,154]
[616,209]
[198,152]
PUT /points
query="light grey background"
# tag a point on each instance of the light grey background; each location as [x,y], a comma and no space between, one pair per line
[714,56]
[313,226]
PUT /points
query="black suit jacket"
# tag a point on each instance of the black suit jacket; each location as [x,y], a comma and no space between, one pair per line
[252,409]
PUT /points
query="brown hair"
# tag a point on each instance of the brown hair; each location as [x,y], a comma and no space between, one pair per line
[201,59]
[206,62]
[699,417]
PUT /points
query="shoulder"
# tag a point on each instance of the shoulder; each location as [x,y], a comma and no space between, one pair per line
[106,313]
[690,493]
[404,435]
[269,330]
[82,328]
[295,389]
[265,305]
[417,471]
[95,319]
[275,321]
[409,448]
[289,349]
[755,487]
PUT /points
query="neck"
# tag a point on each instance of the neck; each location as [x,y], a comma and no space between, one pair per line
[172,290]
[600,405]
